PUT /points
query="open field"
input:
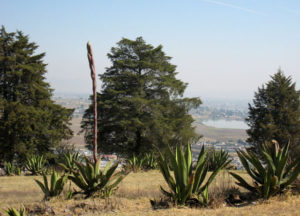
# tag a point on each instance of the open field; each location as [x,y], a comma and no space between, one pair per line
[132,198]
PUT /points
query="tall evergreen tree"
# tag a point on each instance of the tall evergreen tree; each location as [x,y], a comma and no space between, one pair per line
[275,113]
[30,122]
[140,105]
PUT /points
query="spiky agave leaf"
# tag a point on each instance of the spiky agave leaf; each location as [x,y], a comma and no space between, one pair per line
[56,185]
[68,163]
[44,187]
[15,212]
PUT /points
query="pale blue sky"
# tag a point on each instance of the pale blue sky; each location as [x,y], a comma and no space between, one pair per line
[223,48]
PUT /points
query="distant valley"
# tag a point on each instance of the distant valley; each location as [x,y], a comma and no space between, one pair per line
[211,110]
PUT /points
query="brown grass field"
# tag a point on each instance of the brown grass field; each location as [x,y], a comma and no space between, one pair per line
[133,198]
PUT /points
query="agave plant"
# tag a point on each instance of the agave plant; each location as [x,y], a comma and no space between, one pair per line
[270,177]
[69,164]
[149,161]
[186,183]
[90,179]
[11,169]
[216,158]
[15,212]
[56,185]
[35,164]
[135,163]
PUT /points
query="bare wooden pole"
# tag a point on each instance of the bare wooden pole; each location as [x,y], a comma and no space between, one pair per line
[93,76]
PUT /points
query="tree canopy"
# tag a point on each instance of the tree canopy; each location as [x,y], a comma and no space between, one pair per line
[275,113]
[141,104]
[30,122]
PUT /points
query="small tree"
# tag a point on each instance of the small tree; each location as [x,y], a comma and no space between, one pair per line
[275,113]
[30,122]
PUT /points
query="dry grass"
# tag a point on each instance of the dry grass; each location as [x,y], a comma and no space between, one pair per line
[19,189]
[141,184]
[132,198]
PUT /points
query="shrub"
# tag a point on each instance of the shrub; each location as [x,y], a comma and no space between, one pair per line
[272,176]
[56,185]
[90,179]
[35,164]
[186,183]
[11,169]
[149,161]
[135,163]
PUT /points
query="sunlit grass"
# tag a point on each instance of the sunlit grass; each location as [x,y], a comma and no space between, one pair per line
[132,198]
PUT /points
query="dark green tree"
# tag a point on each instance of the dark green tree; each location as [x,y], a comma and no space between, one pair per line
[30,122]
[140,105]
[275,113]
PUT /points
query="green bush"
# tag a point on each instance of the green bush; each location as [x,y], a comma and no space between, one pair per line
[149,161]
[56,185]
[11,169]
[35,164]
[272,176]
[134,164]
[186,183]
[90,179]
[138,163]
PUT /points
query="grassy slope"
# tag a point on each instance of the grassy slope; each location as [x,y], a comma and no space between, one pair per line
[132,198]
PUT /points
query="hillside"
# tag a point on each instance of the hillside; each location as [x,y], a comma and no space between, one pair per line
[220,134]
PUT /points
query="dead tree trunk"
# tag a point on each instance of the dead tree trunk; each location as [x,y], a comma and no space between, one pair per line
[93,75]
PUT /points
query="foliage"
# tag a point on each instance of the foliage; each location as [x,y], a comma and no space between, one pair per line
[138,163]
[216,158]
[15,212]
[135,163]
[11,169]
[30,122]
[56,185]
[69,194]
[68,163]
[270,178]
[275,114]
[204,199]
[35,164]
[90,179]
[140,105]
[187,183]
[150,161]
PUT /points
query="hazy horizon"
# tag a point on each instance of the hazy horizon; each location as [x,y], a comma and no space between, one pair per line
[224,49]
